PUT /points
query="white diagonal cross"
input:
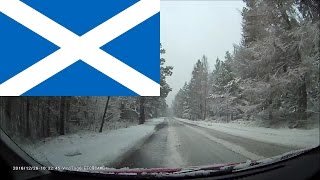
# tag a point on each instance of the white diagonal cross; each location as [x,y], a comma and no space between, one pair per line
[73,48]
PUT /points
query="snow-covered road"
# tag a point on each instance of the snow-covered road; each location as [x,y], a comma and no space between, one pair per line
[181,144]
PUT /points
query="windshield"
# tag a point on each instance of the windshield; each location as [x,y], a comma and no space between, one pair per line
[239,81]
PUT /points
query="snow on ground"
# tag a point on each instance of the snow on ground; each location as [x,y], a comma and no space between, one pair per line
[285,136]
[90,148]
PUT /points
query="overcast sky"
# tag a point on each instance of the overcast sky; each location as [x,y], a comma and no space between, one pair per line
[191,29]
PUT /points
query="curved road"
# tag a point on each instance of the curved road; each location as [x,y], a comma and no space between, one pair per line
[179,144]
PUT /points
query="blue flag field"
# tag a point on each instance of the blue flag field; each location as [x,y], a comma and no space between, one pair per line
[79,47]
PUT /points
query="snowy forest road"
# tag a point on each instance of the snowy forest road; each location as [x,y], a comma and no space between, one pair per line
[180,144]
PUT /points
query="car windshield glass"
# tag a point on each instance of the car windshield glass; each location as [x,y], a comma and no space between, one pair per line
[239,81]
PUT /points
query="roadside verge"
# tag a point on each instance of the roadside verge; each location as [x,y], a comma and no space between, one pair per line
[289,137]
[91,148]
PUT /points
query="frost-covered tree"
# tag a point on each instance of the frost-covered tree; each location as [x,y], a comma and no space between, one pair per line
[198,89]
[280,53]
[192,100]
[181,103]
[273,75]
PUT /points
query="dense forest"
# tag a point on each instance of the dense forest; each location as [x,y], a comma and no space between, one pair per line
[271,77]
[41,117]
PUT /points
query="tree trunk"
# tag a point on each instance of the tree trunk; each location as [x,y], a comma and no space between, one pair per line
[28,132]
[302,94]
[302,101]
[205,106]
[270,110]
[201,109]
[38,124]
[1,111]
[62,114]
[43,120]
[67,114]
[142,117]
[48,118]
[68,101]
[3,115]
[104,114]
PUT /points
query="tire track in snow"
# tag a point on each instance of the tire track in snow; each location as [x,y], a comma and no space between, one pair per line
[173,158]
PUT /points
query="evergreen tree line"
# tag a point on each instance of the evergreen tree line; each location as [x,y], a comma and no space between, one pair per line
[272,76]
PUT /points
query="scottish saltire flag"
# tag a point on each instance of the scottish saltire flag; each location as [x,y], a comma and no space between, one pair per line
[79,47]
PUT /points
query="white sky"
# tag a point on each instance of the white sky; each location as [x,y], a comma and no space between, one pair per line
[191,29]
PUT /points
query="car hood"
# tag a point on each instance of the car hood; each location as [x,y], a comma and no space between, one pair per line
[201,170]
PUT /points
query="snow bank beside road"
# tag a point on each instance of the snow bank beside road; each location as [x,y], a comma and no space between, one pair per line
[91,148]
[289,137]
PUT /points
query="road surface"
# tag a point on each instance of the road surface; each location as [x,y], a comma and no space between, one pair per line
[179,144]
